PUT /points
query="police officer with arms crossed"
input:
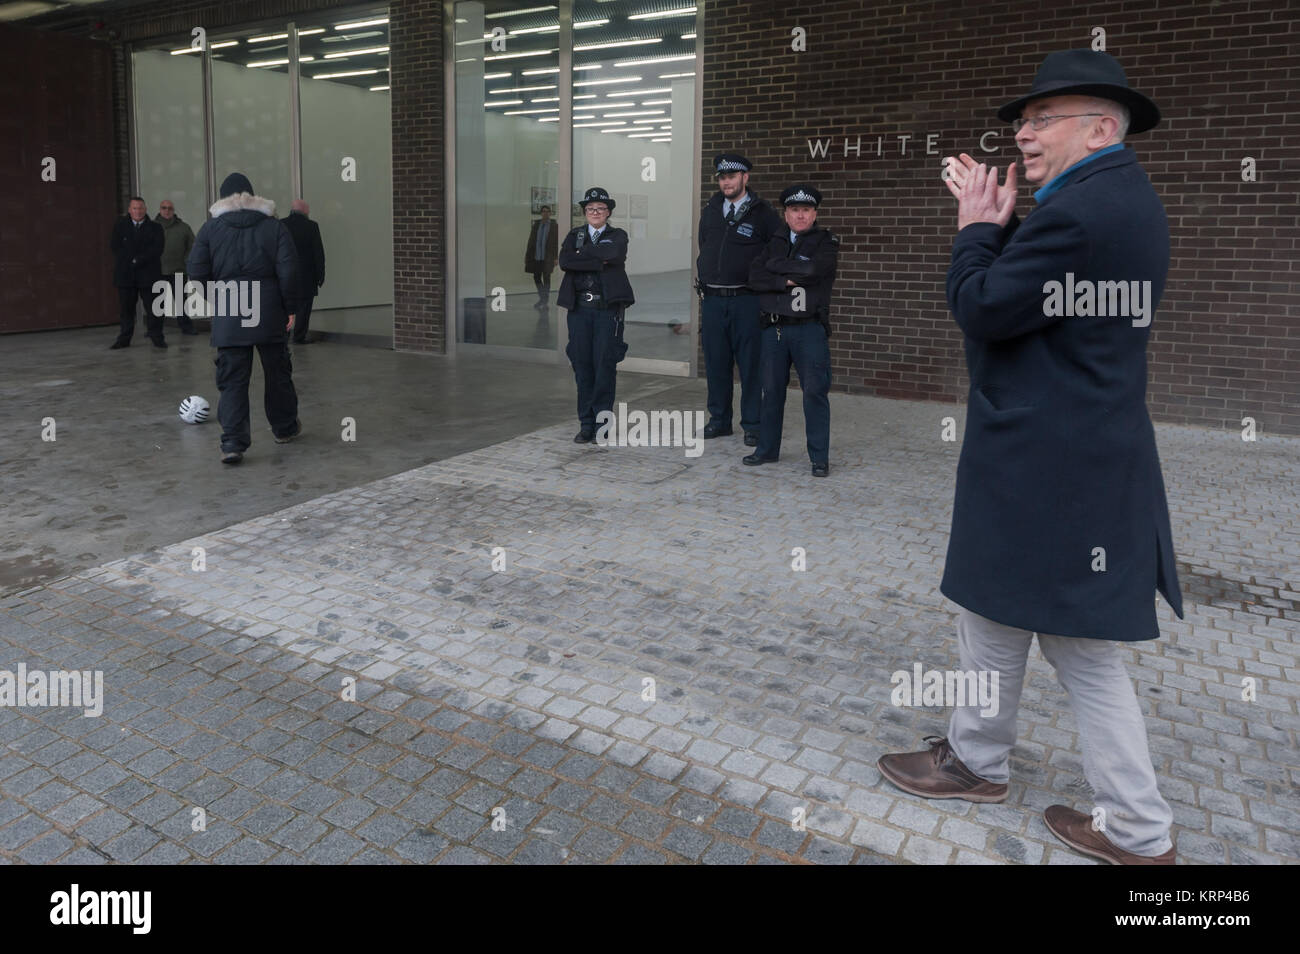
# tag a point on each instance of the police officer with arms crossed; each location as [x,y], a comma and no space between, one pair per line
[734,227]
[595,290]
[795,274]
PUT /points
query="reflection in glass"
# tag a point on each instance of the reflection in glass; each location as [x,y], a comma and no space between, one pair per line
[634,134]
[507,161]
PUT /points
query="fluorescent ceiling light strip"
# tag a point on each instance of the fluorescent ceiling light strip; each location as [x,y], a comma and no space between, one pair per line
[527,30]
[267,39]
[641,135]
[545,99]
[656,102]
[548,119]
[650,121]
[222,44]
[675,75]
[350,73]
[312,32]
[590,66]
[617,43]
[526,112]
[642,92]
[188,49]
[488,76]
[520,89]
[541,72]
[657,59]
[585,125]
[585,96]
[663,14]
[374,89]
[360,23]
[506,102]
[516,13]
[516,56]
[688,36]
[261,63]
[608,82]
[665,139]
[366,52]
[639,112]
[588,24]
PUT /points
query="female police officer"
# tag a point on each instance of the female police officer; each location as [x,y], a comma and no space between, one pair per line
[595,290]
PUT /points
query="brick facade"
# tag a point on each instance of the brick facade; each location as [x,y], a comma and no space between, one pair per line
[1224,344]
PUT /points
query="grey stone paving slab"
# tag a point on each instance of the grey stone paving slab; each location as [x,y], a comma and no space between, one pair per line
[477,689]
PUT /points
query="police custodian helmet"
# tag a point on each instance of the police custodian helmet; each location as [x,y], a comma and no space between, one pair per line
[596,194]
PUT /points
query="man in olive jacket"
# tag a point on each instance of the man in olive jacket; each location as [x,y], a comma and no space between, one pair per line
[250,257]
[137,246]
[178,239]
[1060,526]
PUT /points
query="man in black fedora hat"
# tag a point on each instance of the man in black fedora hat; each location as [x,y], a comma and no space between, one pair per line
[735,226]
[595,291]
[1060,526]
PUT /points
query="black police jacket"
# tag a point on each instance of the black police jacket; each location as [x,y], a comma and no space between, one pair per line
[603,260]
[727,250]
[810,263]
[137,252]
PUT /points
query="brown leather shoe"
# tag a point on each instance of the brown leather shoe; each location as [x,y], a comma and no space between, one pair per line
[1075,829]
[938,773]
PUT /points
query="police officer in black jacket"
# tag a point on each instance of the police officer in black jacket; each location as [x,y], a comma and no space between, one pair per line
[595,290]
[734,227]
[795,274]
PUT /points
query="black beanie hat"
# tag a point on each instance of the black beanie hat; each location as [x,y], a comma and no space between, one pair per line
[236,182]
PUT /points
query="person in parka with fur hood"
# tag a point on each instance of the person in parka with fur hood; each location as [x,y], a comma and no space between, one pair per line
[248,259]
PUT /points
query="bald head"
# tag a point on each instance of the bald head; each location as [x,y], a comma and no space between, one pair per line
[298,205]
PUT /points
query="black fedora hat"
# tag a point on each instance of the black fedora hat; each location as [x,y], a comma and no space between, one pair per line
[1086,73]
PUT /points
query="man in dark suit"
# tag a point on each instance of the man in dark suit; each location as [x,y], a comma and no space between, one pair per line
[137,245]
[311,264]
[1060,526]
[541,254]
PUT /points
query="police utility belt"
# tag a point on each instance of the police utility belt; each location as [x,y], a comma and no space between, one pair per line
[768,318]
[726,292]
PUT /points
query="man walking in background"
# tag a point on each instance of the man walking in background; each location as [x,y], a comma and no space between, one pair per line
[311,265]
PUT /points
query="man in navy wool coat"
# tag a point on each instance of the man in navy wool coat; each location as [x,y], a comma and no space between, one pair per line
[1060,525]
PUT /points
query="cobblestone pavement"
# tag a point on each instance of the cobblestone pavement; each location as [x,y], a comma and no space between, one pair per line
[517,694]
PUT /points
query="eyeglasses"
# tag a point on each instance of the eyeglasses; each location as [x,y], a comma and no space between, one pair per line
[1042,122]
[598,208]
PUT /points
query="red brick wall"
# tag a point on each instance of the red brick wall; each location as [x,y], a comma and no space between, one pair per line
[1225,343]
[419,189]
[55,265]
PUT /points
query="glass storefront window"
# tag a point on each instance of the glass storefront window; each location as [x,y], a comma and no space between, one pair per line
[507,169]
[634,74]
[335,152]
